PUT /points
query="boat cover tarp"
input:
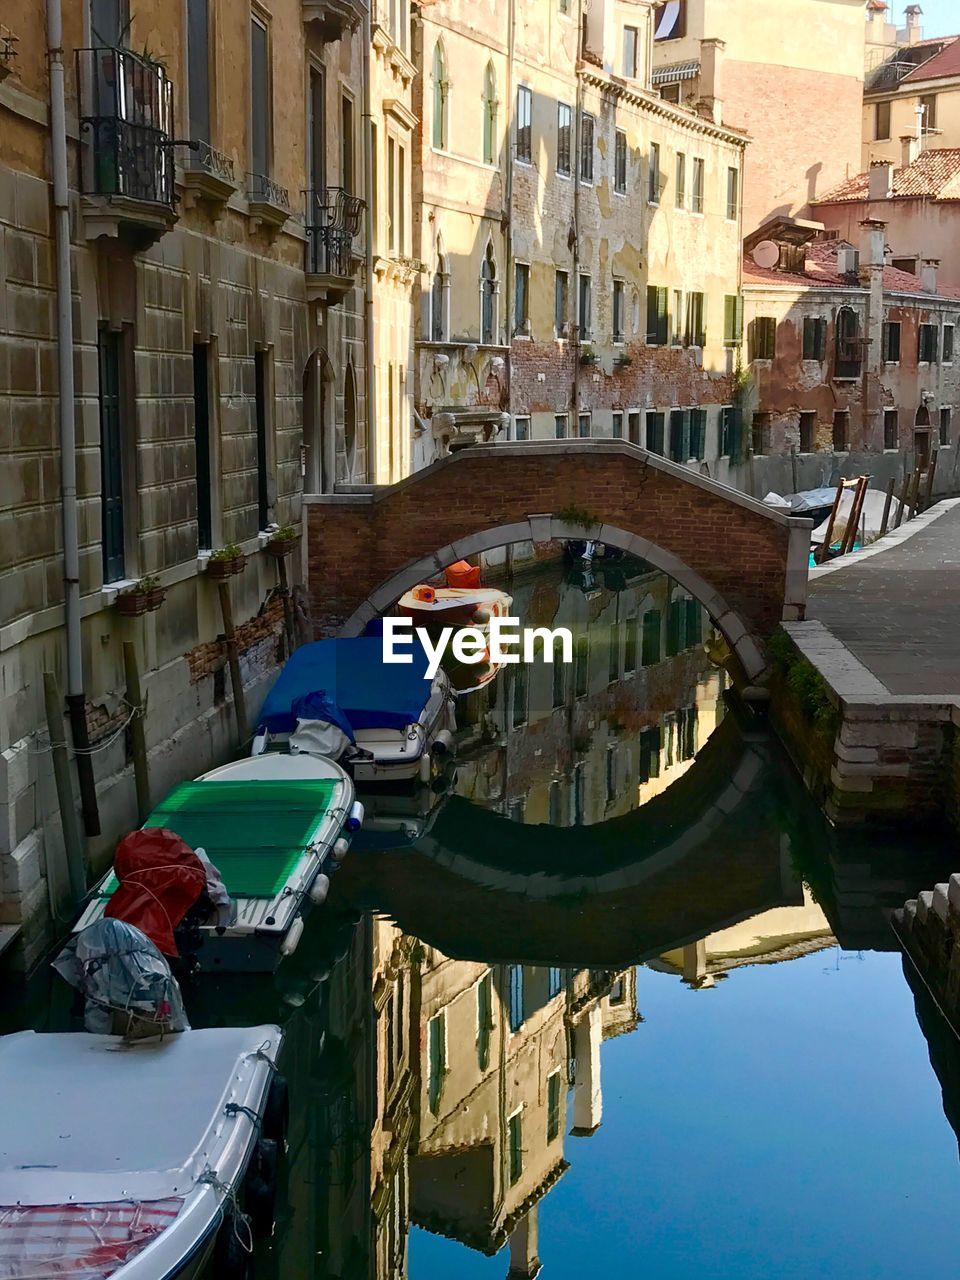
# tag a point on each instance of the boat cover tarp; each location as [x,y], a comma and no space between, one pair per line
[159,879]
[78,1241]
[372,694]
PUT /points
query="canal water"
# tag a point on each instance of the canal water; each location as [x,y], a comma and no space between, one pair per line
[610,998]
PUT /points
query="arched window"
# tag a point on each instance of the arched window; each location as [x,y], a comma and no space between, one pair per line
[439,293]
[440,104]
[849,347]
[489,115]
[488,297]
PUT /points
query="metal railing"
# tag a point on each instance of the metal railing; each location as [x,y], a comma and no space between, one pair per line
[333,222]
[204,158]
[888,75]
[126,113]
[263,190]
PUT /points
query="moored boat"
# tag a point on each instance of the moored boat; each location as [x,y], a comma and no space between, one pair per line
[453,606]
[272,826]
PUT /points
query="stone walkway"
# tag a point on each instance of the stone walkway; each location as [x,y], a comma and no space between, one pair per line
[897,608]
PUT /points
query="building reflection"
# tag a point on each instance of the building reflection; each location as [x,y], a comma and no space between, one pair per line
[580,743]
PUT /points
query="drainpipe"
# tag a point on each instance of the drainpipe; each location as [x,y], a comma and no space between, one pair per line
[76,700]
[575,282]
[369,331]
[511,39]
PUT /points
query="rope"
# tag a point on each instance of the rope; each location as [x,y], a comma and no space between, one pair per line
[73,752]
[211,1179]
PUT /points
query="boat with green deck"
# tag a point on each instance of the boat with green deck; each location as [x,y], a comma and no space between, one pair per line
[271,825]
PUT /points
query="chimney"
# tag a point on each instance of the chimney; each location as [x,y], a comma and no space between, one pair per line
[928,274]
[873,242]
[909,149]
[711,78]
[914,33]
[873,252]
[587,1095]
[524,1262]
[881,180]
[848,260]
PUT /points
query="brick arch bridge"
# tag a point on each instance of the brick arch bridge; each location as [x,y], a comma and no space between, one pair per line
[745,563]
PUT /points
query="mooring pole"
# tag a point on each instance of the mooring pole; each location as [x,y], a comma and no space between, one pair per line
[138,734]
[72,839]
[287,604]
[233,660]
[886,505]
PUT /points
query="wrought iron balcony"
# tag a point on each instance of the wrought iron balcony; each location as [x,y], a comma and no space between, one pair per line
[126,116]
[269,203]
[209,173]
[8,50]
[333,221]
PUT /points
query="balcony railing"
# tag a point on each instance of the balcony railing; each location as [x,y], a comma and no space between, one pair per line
[126,113]
[333,221]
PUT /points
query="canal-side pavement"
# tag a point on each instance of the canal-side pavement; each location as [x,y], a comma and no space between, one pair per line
[882,629]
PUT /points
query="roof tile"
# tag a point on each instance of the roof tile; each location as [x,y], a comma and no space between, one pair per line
[935,173]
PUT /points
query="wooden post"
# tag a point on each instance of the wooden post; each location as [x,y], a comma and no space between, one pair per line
[72,839]
[904,490]
[233,660]
[931,472]
[886,505]
[822,552]
[287,604]
[138,734]
[850,534]
[914,495]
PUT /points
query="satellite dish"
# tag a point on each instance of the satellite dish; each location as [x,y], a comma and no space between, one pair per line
[766,254]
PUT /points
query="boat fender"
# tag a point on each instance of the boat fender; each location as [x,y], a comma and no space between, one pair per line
[292,937]
[425,594]
[355,817]
[259,744]
[340,849]
[260,1187]
[426,767]
[481,616]
[442,743]
[276,1112]
[319,889]
[232,1257]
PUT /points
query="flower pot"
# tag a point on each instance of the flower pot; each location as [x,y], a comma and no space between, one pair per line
[226,568]
[132,604]
[279,547]
[155,598]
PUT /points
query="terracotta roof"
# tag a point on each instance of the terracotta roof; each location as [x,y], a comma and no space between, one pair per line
[944,63]
[934,173]
[822,271]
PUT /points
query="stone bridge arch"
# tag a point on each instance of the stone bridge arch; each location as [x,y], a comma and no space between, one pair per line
[745,563]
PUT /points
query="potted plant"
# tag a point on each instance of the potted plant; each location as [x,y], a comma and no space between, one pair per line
[282,541]
[588,356]
[143,597]
[226,561]
[623,361]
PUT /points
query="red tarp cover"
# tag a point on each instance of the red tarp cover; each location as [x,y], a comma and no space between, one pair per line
[160,879]
[79,1241]
[463,574]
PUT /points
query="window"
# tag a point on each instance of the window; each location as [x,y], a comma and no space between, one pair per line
[489,115]
[262,398]
[581,667]
[560,290]
[555,982]
[733,194]
[112,459]
[761,433]
[905,264]
[654,431]
[579,773]
[484,1020]
[676,318]
[849,349]
[555,799]
[649,754]
[521,693]
[694,334]
[109,21]
[671,92]
[841,430]
[762,338]
[586,147]
[945,416]
[927,344]
[808,429]
[515,976]
[560,426]
[438,300]
[696,197]
[618,310]
[891,342]
[947,353]
[616,425]
[564,127]
[620,162]
[729,431]
[392,212]
[559,685]
[347,174]
[891,429]
[440,96]
[630,52]
[317,131]
[698,434]
[436,1058]
[521,428]
[584,314]
[521,298]
[610,773]
[564,7]
[583,426]
[633,426]
[201,437]
[732,320]
[881,121]
[929,104]
[515,1145]
[630,647]
[198,68]
[650,638]
[653,174]
[617,993]
[814,338]
[679,435]
[681,184]
[524,124]
[261,127]
[657,319]
[488,297]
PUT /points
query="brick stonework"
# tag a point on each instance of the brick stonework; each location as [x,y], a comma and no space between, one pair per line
[357,545]
[205,659]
